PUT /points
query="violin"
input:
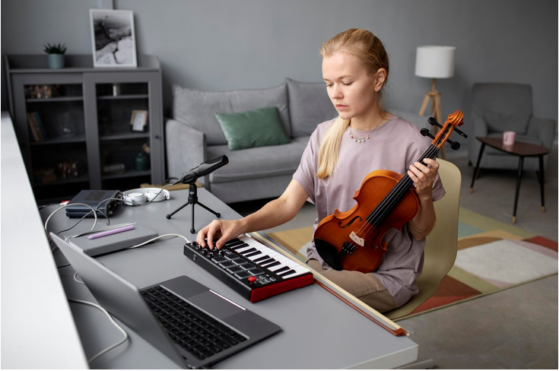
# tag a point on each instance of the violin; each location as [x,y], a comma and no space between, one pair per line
[353,240]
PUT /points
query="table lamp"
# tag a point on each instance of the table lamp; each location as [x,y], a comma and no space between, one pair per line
[434,62]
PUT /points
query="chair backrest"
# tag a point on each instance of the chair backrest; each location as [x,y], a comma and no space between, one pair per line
[504,106]
[442,243]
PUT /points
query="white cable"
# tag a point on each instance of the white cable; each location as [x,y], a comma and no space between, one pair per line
[76,279]
[63,207]
[158,237]
[113,322]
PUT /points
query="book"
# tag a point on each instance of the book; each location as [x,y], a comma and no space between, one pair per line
[35,131]
[41,126]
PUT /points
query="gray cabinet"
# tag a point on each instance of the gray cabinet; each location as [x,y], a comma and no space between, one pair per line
[75,128]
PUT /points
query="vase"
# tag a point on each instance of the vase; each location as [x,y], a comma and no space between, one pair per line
[56,61]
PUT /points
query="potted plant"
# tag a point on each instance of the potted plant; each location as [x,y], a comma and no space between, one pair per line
[56,55]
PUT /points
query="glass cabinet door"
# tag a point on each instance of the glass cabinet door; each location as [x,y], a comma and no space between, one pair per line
[127,123]
[51,131]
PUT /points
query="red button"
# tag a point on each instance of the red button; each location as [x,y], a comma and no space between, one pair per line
[251,279]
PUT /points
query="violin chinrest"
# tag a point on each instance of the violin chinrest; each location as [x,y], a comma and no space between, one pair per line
[329,253]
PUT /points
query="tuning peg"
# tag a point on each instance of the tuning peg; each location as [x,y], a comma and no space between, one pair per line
[433,121]
[453,144]
[460,132]
[426,133]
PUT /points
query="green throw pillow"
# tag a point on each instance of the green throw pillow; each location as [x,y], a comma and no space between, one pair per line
[258,128]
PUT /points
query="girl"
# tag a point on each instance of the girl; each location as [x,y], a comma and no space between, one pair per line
[339,155]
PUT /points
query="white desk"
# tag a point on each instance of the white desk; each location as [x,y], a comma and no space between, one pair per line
[38,329]
[319,331]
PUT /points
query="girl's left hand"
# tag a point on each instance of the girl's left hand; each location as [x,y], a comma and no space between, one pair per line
[424,176]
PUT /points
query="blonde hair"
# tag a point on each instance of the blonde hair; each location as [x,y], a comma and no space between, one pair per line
[368,48]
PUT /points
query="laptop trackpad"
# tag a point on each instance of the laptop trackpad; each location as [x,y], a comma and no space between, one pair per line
[215,305]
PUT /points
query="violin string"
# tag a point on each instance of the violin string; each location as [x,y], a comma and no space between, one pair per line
[393,197]
[389,202]
[384,208]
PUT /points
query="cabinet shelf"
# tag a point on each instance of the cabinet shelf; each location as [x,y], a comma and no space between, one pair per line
[62,181]
[74,139]
[127,174]
[129,96]
[123,136]
[56,99]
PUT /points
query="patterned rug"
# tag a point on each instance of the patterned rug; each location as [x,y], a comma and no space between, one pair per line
[492,256]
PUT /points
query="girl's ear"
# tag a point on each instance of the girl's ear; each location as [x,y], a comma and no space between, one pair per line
[380,78]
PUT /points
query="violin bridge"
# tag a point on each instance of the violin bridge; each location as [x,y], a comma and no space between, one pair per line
[358,240]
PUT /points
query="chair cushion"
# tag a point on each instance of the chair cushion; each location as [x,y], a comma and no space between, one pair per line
[500,122]
[309,105]
[197,109]
[258,162]
[250,129]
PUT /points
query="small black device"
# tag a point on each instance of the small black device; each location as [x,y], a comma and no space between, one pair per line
[191,176]
[251,268]
[94,199]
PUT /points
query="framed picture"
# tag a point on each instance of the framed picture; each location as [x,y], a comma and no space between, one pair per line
[139,120]
[113,38]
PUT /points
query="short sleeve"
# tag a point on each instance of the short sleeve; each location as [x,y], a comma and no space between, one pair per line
[306,172]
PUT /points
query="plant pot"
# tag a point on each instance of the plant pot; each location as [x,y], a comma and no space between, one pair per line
[56,61]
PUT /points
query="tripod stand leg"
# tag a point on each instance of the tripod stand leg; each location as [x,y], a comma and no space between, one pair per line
[177,210]
[207,208]
[192,230]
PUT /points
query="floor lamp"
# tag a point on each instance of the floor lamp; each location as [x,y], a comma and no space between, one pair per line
[434,62]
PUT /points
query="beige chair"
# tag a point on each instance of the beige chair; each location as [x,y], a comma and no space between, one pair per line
[442,243]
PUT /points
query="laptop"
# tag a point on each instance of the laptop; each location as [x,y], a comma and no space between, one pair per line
[192,325]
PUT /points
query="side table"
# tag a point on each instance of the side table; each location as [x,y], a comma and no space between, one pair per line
[521,150]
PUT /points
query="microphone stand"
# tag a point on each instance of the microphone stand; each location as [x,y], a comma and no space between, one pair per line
[190,178]
[193,200]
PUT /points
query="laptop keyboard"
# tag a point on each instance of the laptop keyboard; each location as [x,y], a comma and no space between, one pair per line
[195,331]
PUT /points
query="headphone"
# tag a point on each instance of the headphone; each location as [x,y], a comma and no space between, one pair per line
[141,196]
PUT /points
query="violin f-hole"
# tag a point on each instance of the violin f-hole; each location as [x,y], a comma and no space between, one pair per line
[350,222]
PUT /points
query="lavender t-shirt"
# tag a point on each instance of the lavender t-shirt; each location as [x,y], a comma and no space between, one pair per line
[394,146]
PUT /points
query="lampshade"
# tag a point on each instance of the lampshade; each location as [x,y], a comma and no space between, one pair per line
[436,62]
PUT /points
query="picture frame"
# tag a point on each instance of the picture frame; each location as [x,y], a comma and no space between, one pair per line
[113,38]
[138,121]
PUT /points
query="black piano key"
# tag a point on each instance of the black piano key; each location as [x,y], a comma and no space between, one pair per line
[252,254]
[261,259]
[291,271]
[267,261]
[272,265]
[248,251]
[232,242]
[236,247]
[281,270]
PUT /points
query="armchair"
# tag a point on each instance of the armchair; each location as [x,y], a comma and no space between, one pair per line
[500,107]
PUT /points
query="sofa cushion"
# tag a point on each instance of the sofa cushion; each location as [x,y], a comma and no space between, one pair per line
[258,162]
[499,122]
[251,129]
[197,109]
[309,105]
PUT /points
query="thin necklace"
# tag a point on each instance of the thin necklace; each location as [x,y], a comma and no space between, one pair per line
[363,139]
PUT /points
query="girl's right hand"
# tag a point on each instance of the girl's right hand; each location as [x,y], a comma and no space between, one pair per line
[225,230]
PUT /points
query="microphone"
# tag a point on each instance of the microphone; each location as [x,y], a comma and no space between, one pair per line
[204,168]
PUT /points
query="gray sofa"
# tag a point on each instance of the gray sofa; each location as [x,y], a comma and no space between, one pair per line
[500,107]
[193,135]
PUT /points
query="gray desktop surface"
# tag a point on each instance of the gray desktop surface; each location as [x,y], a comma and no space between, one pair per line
[318,330]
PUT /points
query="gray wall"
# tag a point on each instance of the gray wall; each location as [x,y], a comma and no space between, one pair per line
[224,44]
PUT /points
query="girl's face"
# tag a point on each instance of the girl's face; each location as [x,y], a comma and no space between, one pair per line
[351,87]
